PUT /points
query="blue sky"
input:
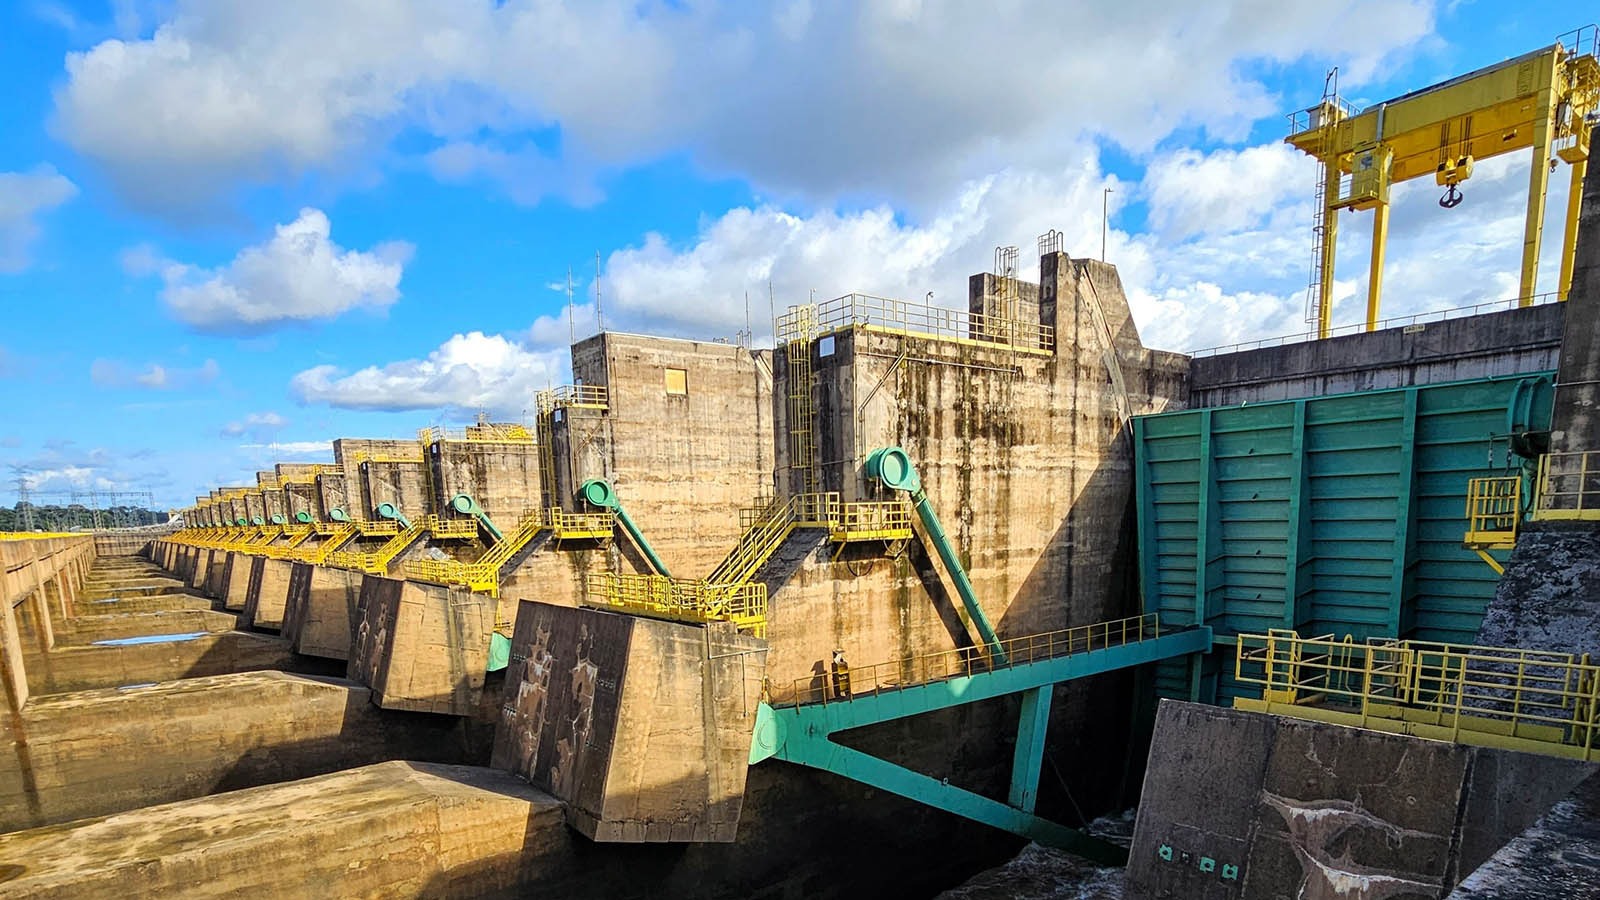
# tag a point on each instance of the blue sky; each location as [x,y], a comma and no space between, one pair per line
[232,231]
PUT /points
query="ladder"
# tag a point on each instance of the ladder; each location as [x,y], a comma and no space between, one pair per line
[802,411]
[1319,236]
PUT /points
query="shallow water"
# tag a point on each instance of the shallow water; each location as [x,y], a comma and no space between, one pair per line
[1042,873]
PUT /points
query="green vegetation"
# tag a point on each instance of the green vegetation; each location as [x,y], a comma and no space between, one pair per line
[76,517]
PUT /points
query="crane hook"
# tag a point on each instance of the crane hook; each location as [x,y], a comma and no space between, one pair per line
[1452,197]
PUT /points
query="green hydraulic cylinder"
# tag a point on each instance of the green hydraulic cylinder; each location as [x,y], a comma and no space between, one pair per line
[464,504]
[338,514]
[303,517]
[599,492]
[892,467]
[278,519]
[390,511]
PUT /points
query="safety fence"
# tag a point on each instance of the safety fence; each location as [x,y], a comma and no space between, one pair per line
[913,319]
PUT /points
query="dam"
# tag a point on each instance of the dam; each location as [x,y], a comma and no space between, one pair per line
[866,612]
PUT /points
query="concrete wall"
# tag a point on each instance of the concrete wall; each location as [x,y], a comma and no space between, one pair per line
[267,593]
[683,465]
[92,753]
[422,647]
[321,610]
[403,484]
[1577,410]
[1513,342]
[1022,458]
[333,492]
[503,478]
[1546,600]
[642,726]
[1243,805]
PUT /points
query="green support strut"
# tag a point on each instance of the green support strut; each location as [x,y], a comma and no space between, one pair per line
[390,511]
[599,492]
[463,503]
[892,467]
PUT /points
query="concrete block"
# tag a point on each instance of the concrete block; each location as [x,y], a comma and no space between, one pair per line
[322,609]
[88,629]
[422,647]
[93,753]
[236,578]
[643,726]
[101,666]
[267,594]
[392,830]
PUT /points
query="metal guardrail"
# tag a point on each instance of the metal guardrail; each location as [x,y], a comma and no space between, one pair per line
[1494,511]
[451,528]
[483,433]
[1569,486]
[681,599]
[1423,318]
[1490,696]
[869,681]
[913,319]
[590,396]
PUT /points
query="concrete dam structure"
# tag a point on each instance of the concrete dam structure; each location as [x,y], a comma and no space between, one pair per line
[865,613]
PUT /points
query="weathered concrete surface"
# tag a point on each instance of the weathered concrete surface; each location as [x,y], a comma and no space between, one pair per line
[93,753]
[683,464]
[142,603]
[1547,598]
[88,629]
[101,666]
[1557,856]
[1255,806]
[642,726]
[267,594]
[422,647]
[403,484]
[321,611]
[1512,342]
[1575,422]
[503,477]
[237,572]
[390,830]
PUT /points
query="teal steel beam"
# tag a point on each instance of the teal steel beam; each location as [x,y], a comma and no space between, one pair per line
[1028,756]
[801,734]
[1299,551]
[599,492]
[1207,548]
[1144,502]
[1405,532]
[886,776]
[892,467]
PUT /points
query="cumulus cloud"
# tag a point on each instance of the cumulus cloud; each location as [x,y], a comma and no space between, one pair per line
[298,275]
[467,372]
[296,449]
[113,373]
[255,424]
[894,95]
[24,197]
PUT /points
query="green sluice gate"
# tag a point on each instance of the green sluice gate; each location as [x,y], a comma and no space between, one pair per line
[1339,515]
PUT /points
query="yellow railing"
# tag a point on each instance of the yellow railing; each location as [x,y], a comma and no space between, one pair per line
[910,671]
[472,576]
[1494,511]
[367,456]
[684,600]
[765,528]
[1511,698]
[308,474]
[590,396]
[483,432]
[578,526]
[887,521]
[377,527]
[451,528]
[916,319]
[1569,486]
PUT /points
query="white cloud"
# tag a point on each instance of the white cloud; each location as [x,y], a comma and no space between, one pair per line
[815,100]
[297,449]
[24,196]
[156,376]
[298,275]
[465,373]
[256,424]
[1191,193]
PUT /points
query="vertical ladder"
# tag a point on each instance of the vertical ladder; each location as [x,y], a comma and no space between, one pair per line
[802,410]
[1319,234]
[547,449]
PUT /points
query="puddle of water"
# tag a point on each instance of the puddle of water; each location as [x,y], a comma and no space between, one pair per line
[135,687]
[150,639]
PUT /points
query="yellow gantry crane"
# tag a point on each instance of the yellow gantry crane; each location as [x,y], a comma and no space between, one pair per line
[1545,100]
